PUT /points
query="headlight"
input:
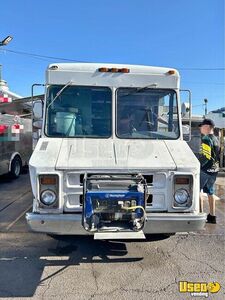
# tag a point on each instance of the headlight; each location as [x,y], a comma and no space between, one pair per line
[181,196]
[48,197]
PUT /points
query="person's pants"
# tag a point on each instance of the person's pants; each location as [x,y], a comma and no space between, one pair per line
[207,181]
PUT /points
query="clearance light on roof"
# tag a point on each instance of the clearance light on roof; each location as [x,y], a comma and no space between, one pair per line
[114,70]
[103,69]
[171,72]
[54,67]
[125,70]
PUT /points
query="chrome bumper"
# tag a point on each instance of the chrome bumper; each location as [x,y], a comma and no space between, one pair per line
[70,224]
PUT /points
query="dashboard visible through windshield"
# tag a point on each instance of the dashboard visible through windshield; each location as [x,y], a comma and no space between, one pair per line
[86,111]
[147,114]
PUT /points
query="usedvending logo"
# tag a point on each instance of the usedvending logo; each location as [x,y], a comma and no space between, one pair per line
[199,289]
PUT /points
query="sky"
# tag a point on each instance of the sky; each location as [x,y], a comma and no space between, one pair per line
[183,34]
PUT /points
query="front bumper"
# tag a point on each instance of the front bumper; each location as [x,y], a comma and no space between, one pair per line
[70,224]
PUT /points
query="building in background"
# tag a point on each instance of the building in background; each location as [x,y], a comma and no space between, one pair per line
[218,116]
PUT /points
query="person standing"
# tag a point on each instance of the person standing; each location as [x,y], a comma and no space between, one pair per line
[209,161]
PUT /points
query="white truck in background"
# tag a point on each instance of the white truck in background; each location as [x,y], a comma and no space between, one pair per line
[15,142]
[15,131]
[111,160]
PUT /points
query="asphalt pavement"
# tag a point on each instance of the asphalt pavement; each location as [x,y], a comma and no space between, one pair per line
[37,266]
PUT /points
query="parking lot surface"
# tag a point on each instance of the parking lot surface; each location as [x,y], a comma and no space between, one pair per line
[38,266]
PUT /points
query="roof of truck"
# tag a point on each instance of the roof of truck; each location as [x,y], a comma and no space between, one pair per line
[102,74]
[92,67]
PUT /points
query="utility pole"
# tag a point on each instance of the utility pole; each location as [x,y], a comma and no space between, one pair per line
[206,102]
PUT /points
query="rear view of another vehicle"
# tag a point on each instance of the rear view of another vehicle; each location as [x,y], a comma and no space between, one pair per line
[15,144]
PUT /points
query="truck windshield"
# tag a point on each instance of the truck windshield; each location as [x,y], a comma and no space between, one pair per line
[79,111]
[147,114]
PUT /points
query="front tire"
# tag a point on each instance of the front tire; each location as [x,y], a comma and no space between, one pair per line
[16,167]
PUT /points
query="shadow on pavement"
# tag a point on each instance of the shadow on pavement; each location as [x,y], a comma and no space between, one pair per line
[6,179]
[22,268]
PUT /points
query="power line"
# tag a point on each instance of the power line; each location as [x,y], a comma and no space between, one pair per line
[38,56]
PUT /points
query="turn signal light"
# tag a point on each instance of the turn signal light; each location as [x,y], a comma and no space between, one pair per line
[48,180]
[182,180]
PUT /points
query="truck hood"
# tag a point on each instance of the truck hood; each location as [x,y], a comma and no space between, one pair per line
[124,155]
[102,154]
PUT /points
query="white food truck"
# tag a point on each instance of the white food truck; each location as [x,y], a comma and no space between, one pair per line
[111,160]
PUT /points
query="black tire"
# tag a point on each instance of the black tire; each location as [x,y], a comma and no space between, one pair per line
[16,167]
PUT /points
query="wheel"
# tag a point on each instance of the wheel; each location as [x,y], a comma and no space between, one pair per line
[16,167]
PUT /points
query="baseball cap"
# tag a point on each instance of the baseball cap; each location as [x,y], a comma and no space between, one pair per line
[207,122]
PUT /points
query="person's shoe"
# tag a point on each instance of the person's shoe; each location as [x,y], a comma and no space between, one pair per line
[211,219]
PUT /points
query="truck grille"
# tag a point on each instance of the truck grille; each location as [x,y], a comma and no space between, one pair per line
[73,192]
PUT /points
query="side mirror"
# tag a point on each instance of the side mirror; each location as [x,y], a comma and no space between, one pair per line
[38,110]
[185,109]
[186,129]
[37,124]
[186,112]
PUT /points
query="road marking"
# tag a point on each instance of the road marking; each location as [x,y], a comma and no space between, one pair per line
[11,224]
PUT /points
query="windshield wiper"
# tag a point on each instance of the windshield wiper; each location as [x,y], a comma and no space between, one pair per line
[140,89]
[59,93]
